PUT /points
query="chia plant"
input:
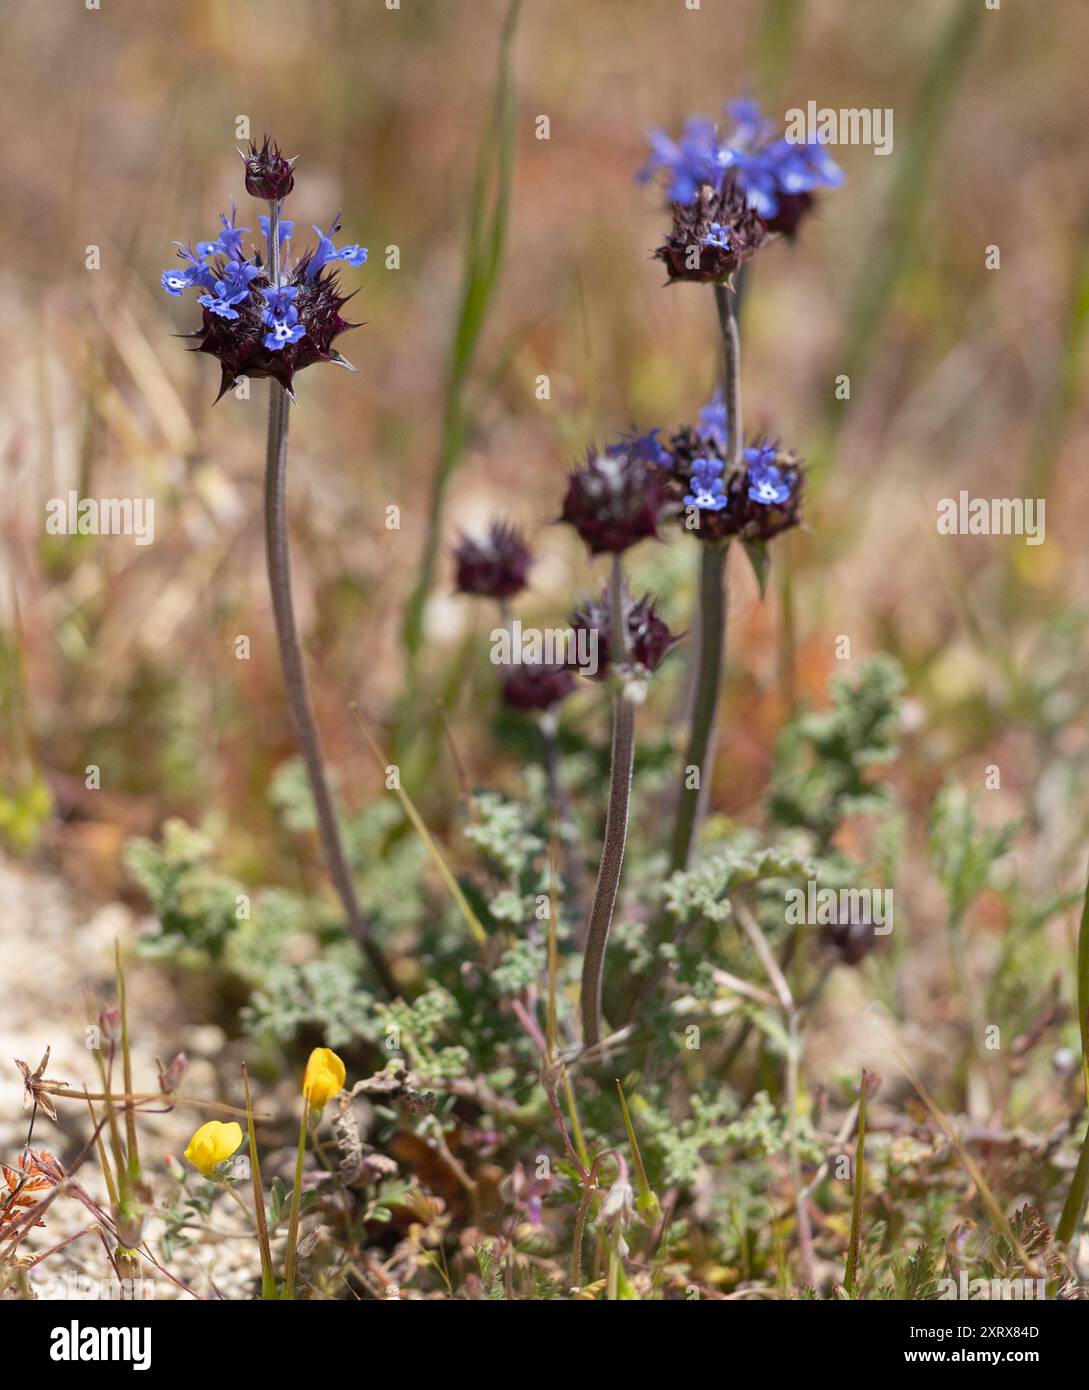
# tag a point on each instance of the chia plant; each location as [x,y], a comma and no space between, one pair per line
[269,314]
[730,197]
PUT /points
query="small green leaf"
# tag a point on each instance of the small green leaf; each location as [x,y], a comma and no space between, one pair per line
[760,559]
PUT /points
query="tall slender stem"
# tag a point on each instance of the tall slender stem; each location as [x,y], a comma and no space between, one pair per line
[1074,1206]
[726,304]
[291,660]
[287,1291]
[712,608]
[562,812]
[616,826]
[712,646]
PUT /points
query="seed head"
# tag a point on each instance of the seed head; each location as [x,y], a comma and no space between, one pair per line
[616,500]
[495,565]
[269,175]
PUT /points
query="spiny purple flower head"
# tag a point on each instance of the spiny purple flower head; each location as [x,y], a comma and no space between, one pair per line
[535,685]
[495,565]
[616,499]
[777,176]
[649,639]
[269,175]
[713,235]
[754,502]
[253,327]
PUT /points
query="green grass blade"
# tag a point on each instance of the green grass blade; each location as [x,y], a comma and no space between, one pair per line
[897,240]
[850,1275]
[489,215]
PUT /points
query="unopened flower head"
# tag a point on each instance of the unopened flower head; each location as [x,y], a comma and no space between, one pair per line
[535,686]
[212,1145]
[173,1074]
[713,235]
[649,639]
[324,1077]
[495,565]
[253,327]
[269,174]
[616,499]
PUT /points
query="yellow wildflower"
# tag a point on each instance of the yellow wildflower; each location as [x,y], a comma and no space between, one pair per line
[212,1143]
[324,1077]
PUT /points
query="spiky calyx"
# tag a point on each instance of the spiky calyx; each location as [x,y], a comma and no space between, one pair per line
[535,686]
[269,174]
[763,495]
[712,236]
[239,344]
[616,500]
[649,638]
[792,211]
[495,565]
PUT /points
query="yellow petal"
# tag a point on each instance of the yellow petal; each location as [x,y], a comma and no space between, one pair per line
[213,1143]
[325,1074]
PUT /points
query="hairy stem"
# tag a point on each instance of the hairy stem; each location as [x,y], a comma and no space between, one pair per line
[712,609]
[616,828]
[288,1290]
[708,687]
[298,695]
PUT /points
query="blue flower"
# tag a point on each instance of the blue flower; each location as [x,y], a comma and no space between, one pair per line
[692,160]
[285,329]
[647,447]
[176,282]
[327,252]
[238,274]
[766,483]
[286,227]
[714,426]
[717,235]
[223,300]
[230,238]
[708,493]
[278,301]
[767,168]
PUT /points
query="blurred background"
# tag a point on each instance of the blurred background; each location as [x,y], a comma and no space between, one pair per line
[121,134]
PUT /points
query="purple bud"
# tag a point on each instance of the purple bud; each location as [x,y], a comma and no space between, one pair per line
[539,686]
[109,1022]
[494,566]
[649,639]
[616,500]
[269,175]
[172,1075]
